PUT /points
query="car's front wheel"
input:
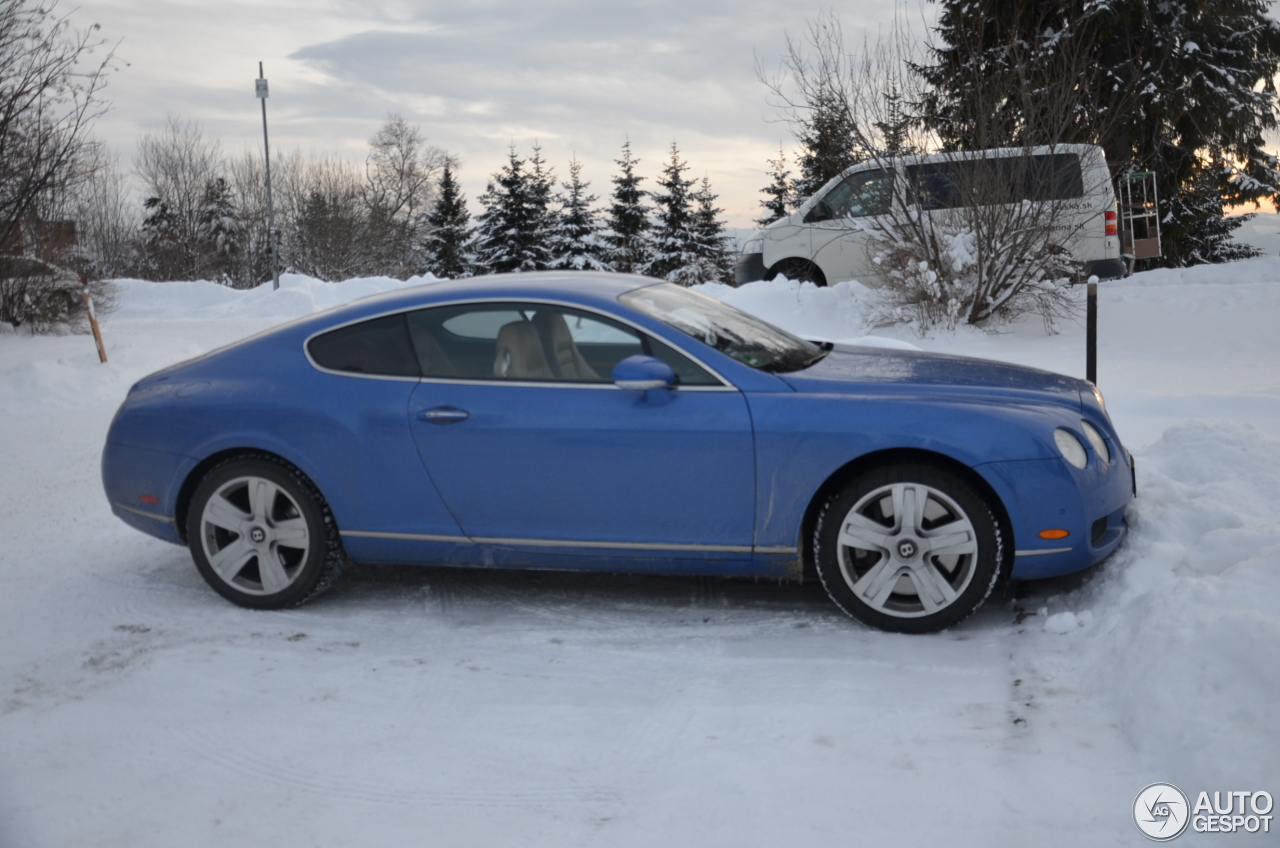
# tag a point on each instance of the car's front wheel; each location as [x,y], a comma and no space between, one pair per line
[261,534]
[910,548]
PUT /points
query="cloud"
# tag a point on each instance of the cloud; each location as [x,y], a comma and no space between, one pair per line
[579,76]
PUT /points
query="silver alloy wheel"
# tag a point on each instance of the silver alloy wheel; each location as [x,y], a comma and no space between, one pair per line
[907,550]
[254,535]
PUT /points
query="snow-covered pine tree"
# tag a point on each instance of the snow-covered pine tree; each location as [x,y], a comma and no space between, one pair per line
[714,245]
[163,257]
[676,251]
[628,218]
[895,129]
[576,244]
[449,231]
[778,198]
[219,233]
[826,135]
[1196,230]
[542,186]
[511,233]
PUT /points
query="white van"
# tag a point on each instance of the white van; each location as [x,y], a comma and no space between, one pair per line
[824,242]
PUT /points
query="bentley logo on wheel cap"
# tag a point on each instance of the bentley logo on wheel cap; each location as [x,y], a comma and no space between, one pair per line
[258,535]
[907,549]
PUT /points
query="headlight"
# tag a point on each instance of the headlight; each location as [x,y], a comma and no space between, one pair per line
[1072,451]
[1100,446]
[755,244]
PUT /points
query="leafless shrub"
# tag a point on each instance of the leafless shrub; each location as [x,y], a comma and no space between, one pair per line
[51,80]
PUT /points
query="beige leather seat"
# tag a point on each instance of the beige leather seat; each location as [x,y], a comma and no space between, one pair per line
[518,353]
[561,353]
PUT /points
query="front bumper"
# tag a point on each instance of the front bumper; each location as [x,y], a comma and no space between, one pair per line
[749,268]
[1044,494]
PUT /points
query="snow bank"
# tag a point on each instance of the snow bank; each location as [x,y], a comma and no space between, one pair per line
[201,300]
[1189,608]
[826,314]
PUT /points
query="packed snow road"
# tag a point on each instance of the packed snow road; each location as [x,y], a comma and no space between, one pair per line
[450,707]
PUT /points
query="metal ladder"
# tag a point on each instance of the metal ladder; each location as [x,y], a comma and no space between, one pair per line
[1139,217]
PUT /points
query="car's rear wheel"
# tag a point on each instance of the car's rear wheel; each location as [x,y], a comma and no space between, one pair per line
[261,535]
[798,270]
[911,548]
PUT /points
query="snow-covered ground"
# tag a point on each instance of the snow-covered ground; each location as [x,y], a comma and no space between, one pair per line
[447,707]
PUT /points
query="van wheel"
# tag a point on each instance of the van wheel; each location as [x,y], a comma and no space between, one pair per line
[800,270]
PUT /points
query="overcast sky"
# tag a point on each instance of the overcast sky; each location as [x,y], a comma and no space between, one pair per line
[580,77]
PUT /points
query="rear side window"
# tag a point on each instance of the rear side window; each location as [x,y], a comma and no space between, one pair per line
[379,347]
[1006,179]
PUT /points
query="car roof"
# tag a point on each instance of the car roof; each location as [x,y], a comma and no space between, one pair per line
[576,286]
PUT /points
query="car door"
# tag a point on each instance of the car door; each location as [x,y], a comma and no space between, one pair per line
[533,447]
[848,253]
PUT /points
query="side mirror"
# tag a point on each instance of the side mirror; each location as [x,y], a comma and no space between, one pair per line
[821,211]
[641,373]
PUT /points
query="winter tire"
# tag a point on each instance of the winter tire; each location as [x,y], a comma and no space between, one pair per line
[910,548]
[261,534]
[798,270]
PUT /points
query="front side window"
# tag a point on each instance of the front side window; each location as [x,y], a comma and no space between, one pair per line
[730,331]
[861,194]
[533,342]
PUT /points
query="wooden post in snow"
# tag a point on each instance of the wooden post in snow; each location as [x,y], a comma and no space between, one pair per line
[93,323]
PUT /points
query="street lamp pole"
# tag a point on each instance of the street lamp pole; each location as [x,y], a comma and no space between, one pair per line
[260,88]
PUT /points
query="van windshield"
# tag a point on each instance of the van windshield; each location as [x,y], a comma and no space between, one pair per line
[730,331]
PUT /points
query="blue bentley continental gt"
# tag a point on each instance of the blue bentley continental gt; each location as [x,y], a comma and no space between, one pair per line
[605,422]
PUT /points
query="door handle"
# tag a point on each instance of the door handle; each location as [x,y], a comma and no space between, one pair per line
[444,415]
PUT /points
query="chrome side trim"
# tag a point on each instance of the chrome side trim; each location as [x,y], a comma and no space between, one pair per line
[1042,552]
[635,546]
[412,537]
[774,550]
[562,543]
[167,519]
[545,384]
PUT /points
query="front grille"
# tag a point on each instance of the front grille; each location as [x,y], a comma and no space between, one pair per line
[1098,530]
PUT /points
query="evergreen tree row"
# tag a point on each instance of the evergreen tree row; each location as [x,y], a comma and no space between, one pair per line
[529,224]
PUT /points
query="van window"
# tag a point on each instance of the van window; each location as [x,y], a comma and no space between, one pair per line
[859,195]
[1005,179]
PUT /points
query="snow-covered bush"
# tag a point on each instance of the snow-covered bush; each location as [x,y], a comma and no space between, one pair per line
[979,266]
[45,299]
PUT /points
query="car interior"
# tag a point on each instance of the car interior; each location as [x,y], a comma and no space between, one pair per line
[495,341]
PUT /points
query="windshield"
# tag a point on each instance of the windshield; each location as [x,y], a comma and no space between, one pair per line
[730,331]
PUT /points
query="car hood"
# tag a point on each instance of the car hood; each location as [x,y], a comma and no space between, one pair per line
[861,369]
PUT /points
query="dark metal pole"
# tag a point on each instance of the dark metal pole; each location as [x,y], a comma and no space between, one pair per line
[1091,336]
[271,212]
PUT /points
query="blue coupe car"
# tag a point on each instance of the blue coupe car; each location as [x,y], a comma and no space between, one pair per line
[606,422]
